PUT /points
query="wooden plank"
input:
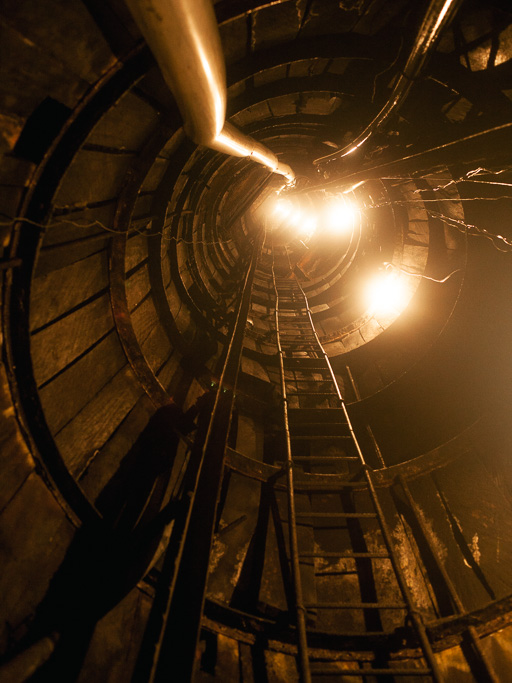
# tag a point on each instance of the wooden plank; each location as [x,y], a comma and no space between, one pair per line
[281,668]
[144,318]
[156,348]
[166,268]
[35,537]
[71,39]
[107,460]
[15,460]
[60,399]
[68,227]
[15,172]
[166,373]
[94,424]
[227,666]
[59,291]
[482,513]
[60,256]
[142,207]
[10,200]
[55,347]
[31,74]
[136,251]
[246,663]
[92,177]
[137,286]
[115,644]
[126,125]
[155,174]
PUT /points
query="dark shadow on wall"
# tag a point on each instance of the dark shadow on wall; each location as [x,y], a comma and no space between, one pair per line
[105,562]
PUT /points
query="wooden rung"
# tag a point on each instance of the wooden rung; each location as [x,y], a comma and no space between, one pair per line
[318,437]
[346,555]
[312,393]
[332,669]
[310,486]
[356,605]
[323,459]
[337,515]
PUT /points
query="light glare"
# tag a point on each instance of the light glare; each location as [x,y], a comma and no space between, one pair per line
[282,208]
[308,226]
[387,294]
[340,216]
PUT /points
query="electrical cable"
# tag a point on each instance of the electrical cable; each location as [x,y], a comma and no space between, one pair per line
[22,219]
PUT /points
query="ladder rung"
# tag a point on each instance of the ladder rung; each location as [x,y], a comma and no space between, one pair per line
[309,380]
[314,411]
[288,344]
[336,670]
[356,605]
[325,429]
[298,346]
[346,555]
[326,488]
[336,515]
[296,337]
[312,393]
[323,459]
[319,437]
[307,364]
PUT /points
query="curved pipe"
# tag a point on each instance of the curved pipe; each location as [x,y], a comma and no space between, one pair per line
[438,15]
[184,38]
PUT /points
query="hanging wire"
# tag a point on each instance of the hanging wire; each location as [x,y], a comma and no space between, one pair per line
[392,266]
[97,223]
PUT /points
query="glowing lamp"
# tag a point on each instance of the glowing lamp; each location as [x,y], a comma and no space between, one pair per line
[282,208]
[387,294]
[308,226]
[340,216]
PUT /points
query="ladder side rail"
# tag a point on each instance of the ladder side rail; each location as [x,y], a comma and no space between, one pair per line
[176,645]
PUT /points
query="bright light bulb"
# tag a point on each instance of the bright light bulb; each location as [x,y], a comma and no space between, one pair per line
[282,208]
[340,216]
[295,217]
[308,226]
[387,294]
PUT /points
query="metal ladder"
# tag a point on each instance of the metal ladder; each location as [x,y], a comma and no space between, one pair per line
[315,417]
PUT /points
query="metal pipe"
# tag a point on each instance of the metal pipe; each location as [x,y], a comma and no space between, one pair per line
[491,144]
[438,15]
[184,38]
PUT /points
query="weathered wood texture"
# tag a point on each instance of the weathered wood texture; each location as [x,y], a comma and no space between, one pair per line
[107,459]
[58,59]
[55,347]
[34,529]
[113,649]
